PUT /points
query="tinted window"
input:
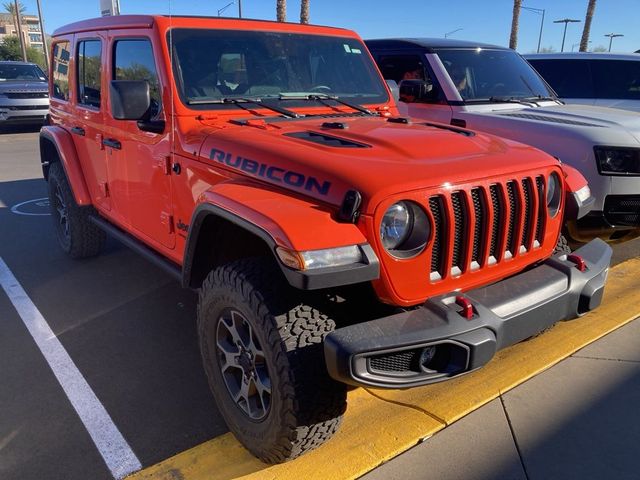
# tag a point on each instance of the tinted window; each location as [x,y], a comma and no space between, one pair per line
[133,60]
[484,74]
[89,68]
[60,70]
[616,79]
[569,78]
[28,73]
[401,67]
[216,64]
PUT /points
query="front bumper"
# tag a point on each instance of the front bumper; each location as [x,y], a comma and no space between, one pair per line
[23,114]
[618,222]
[435,342]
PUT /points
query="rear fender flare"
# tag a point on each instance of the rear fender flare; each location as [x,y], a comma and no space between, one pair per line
[62,142]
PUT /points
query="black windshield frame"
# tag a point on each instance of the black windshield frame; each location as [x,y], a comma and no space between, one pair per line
[367,88]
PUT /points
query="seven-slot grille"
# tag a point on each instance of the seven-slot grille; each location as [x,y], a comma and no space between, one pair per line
[486,225]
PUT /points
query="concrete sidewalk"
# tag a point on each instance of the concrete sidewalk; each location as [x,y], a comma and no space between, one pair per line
[578,420]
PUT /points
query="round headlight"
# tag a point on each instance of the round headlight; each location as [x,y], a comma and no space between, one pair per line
[396,225]
[554,194]
[405,229]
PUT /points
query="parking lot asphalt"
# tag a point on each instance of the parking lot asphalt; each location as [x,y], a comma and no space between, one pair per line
[128,328]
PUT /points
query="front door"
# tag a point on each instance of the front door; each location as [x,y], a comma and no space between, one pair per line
[138,161]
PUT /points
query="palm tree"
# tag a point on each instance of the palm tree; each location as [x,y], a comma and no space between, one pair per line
[513,40]
[584,42]
[304,11]
[281,10]
[11,8]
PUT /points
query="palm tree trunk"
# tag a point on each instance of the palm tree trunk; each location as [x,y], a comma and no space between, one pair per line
[281,10]
[584,42]
[304,11]
[513,39]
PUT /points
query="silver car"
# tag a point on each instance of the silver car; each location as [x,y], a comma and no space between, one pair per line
[601,79]
[24,93]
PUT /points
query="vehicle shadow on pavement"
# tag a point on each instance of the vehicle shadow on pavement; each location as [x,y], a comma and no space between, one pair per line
[129,328]
[11,129]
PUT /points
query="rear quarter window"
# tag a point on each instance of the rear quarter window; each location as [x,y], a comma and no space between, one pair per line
[569,78]
[60,70]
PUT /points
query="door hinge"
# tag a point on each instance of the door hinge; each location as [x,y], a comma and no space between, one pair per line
[166,165]
[104,186]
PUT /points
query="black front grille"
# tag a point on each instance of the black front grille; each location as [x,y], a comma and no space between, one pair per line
[460,222]
[405,361]
[622,210]
[437,210]
[23,95]
[514,209]
[478,211]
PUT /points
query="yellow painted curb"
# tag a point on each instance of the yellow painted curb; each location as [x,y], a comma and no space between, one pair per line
[381,424]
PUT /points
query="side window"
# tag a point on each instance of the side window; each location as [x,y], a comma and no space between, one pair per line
[89,68]
[402,67]
[60,70]
[616,79]
[133,60]
[569,78]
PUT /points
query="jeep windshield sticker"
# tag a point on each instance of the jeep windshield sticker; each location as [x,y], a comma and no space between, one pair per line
[275,174]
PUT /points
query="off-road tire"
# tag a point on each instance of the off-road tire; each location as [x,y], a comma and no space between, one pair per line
[76,234]
[562,246]
[306,405]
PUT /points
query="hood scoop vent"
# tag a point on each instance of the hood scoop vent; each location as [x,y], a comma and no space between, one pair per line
[542,118]
[326,140]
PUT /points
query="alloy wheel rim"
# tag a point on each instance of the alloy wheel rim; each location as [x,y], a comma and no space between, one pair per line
[62,212]
[243,364]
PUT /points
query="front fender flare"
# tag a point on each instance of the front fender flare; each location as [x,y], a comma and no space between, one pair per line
[280,219]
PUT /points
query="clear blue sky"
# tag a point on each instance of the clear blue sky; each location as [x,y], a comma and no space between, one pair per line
[485,21]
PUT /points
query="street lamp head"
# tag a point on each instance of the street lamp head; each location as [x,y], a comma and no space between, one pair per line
[567,20]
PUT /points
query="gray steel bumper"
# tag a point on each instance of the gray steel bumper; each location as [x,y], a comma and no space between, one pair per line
[435,342]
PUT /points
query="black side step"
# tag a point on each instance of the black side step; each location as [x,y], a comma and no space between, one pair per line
[137,246]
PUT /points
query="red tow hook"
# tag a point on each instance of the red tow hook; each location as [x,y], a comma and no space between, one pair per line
[467,307]
[578,261]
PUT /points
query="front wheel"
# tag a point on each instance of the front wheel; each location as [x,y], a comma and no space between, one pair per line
[76,234]
[263,356]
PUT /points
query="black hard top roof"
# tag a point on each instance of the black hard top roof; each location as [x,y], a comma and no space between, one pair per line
[427,43]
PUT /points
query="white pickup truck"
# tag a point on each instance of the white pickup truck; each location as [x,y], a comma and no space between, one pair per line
[493,89]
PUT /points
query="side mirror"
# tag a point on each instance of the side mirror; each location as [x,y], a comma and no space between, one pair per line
[395,91]
[130,99]
[415,90]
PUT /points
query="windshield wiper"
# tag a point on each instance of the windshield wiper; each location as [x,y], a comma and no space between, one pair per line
[239,102]
[511,100]
[542,98]
[322,98]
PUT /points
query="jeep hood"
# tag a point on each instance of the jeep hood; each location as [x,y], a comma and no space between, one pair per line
[324,159]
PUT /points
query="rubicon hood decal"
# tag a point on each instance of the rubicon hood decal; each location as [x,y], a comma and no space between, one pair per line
[270,172]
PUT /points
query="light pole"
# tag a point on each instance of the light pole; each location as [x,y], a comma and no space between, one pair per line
[565,21]
[44,37]
[612,36]
[452,32]
[220,10]
[539,11]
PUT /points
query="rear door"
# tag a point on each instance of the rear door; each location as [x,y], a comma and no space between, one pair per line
[138,161]
[87,126]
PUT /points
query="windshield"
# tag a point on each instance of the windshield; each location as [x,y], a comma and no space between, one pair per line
[29,73]
[211,65]
[488,75]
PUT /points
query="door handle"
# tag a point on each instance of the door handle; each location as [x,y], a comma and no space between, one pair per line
[112,142]
[78,131]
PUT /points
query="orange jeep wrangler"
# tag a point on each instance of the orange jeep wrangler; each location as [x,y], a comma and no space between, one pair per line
[331,241]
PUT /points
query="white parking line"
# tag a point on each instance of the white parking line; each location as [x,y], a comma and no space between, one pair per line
[114,449]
